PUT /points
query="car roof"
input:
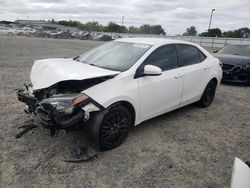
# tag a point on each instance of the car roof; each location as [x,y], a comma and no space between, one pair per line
[152,41]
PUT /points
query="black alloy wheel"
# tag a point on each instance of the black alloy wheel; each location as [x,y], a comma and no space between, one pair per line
[115,127]
[208,95]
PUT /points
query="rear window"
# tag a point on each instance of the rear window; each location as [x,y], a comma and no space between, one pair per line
[190,55]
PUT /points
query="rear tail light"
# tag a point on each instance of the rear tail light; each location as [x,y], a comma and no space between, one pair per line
[221,64]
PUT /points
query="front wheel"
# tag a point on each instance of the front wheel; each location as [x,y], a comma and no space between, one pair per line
[112,129]
[208,95]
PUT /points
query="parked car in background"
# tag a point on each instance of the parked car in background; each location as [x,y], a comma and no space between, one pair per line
[236,63]
[86,36]
[53,33]
[120,84]
[60,34]
[64,35]
[82,35]
[6,31]
[40,34]
[77,34]
[25,31]
[104,38]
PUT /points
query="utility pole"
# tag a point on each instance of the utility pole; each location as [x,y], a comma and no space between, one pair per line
[122,20]
[211,17]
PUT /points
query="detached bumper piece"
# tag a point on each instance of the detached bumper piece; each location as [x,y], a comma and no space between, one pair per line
[26,128]
[236,74]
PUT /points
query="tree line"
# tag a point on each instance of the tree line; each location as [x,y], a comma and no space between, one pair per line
[216,32]
[152,29]
[113,27]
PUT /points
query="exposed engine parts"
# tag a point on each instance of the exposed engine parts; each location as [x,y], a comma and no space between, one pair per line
[61,105]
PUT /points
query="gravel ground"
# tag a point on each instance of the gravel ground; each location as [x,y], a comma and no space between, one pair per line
[189,147]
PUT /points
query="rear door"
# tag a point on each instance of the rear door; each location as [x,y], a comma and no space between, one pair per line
[162,93]
[195,67]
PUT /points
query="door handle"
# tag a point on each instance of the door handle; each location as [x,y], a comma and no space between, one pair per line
[206,68]
[179,75]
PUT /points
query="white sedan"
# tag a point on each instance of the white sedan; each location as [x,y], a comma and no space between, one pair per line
[6,31]
[120,84]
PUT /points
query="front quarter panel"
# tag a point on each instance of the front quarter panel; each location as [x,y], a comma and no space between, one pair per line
[123,87]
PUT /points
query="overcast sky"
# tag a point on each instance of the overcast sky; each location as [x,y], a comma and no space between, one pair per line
[174,15]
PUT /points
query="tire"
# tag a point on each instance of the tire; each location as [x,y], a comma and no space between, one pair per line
[208,94]
[108,129]
[10,34]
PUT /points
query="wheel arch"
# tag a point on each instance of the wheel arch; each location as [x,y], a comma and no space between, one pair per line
[215,80]
[128,106]
[212,78]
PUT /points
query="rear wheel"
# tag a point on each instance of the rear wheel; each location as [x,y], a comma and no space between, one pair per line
[208,94]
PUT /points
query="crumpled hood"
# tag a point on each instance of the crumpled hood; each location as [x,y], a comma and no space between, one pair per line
[47,72]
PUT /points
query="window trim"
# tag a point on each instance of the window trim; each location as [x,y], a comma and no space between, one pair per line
[139,70]
[181,58]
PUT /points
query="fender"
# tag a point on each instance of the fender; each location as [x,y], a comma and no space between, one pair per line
[135,105]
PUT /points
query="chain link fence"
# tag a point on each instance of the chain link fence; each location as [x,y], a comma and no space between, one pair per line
[214,42]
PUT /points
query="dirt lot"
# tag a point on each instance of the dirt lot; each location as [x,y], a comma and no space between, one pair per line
[190,147]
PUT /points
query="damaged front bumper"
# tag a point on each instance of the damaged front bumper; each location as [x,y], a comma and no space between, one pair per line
[51,118]
[62,111]
[30,101]
[236,74]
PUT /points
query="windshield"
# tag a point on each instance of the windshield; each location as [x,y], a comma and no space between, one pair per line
[243,50]
[115,55]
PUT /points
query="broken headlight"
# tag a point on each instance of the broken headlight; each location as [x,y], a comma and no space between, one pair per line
[65,103]
[246,67]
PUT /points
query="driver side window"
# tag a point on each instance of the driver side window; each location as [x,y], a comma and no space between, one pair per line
[164,57]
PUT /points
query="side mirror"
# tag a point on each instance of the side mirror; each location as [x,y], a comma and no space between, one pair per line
[151,70]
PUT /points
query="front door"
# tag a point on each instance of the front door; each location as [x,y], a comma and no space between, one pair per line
[162,93]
